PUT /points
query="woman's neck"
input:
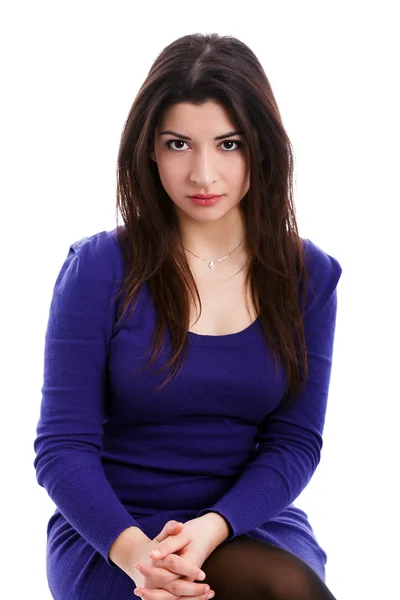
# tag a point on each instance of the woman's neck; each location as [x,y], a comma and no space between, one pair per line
[214,239]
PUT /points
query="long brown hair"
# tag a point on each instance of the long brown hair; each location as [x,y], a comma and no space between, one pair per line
[196,68]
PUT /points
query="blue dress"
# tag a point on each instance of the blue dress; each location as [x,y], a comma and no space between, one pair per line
[113,452]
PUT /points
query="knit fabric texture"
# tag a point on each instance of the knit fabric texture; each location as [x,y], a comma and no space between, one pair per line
[113,452]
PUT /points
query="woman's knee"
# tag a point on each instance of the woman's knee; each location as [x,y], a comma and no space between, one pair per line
[250,568]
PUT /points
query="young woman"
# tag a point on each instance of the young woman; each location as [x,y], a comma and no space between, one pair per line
[188,355]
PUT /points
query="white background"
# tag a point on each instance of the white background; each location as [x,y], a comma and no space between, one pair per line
[70,72]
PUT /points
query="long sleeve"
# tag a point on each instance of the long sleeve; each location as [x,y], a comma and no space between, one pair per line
[290,439]
[69,431]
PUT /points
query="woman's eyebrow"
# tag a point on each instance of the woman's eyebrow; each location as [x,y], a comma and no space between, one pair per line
[219,137]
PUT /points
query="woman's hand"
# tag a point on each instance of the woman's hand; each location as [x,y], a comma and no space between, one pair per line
[194,544]
[172,577]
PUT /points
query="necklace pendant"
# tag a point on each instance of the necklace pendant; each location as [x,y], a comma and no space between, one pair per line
[211,264]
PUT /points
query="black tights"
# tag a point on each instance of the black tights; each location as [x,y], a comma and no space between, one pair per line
[249,569]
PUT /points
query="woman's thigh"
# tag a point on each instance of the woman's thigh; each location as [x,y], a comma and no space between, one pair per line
[250,569]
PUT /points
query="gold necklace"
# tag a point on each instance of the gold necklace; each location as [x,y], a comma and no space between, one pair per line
[213,263]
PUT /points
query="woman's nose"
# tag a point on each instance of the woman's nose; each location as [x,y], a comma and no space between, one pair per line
[202,171]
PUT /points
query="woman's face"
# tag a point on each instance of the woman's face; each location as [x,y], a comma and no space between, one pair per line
[201,165]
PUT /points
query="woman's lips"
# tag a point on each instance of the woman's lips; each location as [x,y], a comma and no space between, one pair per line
[199,201]
[204,196]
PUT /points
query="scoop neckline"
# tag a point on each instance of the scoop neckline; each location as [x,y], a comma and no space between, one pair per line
[229,339]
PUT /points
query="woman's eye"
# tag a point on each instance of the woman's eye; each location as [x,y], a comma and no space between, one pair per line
[237,142]
[168,144]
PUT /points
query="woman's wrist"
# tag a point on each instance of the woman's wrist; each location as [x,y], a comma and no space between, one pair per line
[218,525]
[125,550]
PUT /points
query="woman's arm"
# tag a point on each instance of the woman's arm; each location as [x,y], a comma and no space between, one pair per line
[121,549]
[69,432]
[290,439]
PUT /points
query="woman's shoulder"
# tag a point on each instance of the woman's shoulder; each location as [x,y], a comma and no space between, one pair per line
[323,271]
[92,262]
[100,251]
[318,259]
[101,243]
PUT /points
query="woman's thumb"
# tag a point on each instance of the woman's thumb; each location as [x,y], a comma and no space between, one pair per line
[170,528]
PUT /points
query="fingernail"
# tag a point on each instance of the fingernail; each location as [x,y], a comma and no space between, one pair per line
[201,575]
[156,553]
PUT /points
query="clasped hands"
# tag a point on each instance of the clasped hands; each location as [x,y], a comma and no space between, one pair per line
[170,575]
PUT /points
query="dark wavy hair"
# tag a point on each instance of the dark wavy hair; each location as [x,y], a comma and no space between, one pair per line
[196,68]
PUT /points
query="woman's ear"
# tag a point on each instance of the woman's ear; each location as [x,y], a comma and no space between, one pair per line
[153,156]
